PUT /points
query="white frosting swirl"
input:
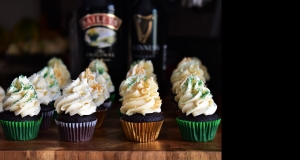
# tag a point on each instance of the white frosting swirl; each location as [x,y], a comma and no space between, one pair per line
[128,83]
[202,66]
[61,72]
[21,98]
[97,90]
[2,94]
[186,69]
[142,97]
[76,99]
[102,82]
[147,65]
[195,98]
[53,87]
[41,88]
[100,67]
[137,69]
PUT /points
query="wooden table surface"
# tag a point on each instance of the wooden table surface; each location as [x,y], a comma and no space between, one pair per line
[109,142]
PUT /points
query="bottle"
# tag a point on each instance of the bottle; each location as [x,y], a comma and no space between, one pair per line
[100,36]
[148,35]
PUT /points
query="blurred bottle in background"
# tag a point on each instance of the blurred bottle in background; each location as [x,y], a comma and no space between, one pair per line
[96,30]
[148,35]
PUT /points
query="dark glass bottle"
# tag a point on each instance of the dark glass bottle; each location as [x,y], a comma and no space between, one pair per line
[100,35]
[148,35]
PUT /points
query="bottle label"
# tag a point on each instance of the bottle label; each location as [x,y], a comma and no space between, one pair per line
[100,37]
[100,19]
[143,25]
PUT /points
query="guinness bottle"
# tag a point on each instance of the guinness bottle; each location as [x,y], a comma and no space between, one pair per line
[149,34]
[100,35]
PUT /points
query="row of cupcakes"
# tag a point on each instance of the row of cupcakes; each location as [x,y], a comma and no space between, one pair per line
[140,112]
[198,120]
[29,103]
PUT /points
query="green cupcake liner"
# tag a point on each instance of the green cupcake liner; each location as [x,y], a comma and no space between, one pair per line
[21,131]
[198,131]
[112,97]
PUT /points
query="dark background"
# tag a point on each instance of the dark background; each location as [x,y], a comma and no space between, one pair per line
[192,31]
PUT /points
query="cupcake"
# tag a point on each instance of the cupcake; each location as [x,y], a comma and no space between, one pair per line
[53,88]
[76,119]
[20,116]
[98,66]
[2,94]
[99,94]
[43,94]
[61,72]
[141,108]
[199,121]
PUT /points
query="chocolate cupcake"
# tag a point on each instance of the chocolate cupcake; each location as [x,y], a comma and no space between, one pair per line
[47,107]
[76,119]
[99,67]
[199,121]
[20,116]
[141,108]
[99,94]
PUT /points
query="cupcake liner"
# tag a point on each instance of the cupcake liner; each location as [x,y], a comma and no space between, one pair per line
[100,116]
[112,97]
[76,132]
[141,132]
[47,119]
[107,104]
[54,115]
[198,131]
[21,131]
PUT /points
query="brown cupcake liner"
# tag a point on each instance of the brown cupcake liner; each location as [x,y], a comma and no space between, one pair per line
[76,132]
[47,119]
[141,132]
[100,116]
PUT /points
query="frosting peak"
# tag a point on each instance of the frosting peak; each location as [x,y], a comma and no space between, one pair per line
[98,91]
[52,83]
[61,72]
[100,67]
[41,88]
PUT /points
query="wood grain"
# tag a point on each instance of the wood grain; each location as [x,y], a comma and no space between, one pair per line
[109,142]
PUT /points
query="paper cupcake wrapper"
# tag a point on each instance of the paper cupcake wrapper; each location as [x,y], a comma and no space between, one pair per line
[107,104]
[54,115]
[21,131]
[47,119]
[100,116]
[141,132]
[76,132]
[198,131]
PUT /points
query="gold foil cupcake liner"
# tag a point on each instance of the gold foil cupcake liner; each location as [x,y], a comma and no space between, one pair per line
[141,132]
[100,116]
